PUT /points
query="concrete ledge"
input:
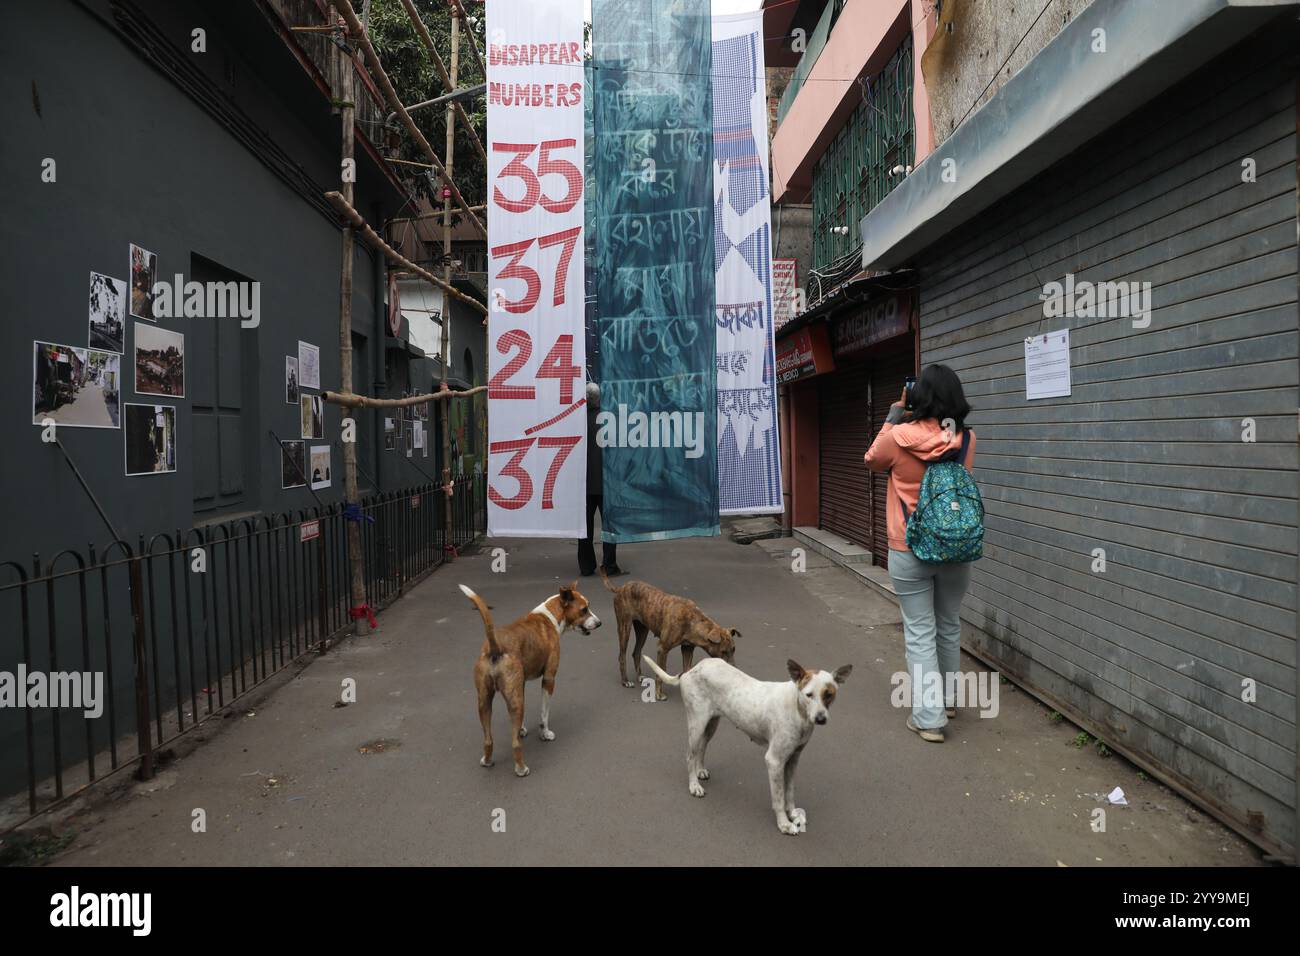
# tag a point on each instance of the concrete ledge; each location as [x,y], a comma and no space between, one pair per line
[875,577]
[840,550]
[847,555]
[747,530]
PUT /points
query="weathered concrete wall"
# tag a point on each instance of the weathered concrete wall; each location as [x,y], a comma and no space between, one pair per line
[974,44]
[792,237]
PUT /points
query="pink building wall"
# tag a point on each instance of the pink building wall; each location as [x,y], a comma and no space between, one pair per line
[863,39]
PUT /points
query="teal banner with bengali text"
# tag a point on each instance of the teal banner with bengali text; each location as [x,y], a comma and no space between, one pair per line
[654,265]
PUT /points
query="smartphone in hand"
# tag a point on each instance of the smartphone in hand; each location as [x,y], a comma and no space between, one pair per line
[909,384]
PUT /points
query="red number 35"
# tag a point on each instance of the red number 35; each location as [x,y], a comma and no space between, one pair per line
[532,181]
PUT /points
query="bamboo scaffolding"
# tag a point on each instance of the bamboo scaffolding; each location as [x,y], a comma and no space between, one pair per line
[443,75]
[436,214]
[359,33]
[354,225]
[473,44]
[359,610]
[444,410]
[375,241]
[353,400]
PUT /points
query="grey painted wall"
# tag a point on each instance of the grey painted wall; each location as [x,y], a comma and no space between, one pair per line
[1145,458]
[139,161]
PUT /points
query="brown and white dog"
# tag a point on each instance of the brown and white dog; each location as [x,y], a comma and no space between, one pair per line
[523,651]
[675,620]
[779,715]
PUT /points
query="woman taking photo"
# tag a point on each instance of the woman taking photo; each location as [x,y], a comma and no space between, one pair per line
[925,428]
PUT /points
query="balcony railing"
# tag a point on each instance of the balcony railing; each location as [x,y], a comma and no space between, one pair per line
[816,43]
[857,170]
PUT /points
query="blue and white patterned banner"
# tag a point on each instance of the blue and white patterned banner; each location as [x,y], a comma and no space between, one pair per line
[749,451]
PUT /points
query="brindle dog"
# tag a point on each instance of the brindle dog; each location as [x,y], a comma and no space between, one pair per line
[676,622]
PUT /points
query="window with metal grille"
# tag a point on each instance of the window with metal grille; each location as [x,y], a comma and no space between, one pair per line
[856,171]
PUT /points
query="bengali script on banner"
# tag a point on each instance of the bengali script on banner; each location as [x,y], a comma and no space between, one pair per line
[654,300]
[749,448]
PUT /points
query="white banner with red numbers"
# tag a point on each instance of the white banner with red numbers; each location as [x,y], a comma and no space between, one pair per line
[537,420]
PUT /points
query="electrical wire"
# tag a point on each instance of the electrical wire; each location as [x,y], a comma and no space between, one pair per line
[1004,63]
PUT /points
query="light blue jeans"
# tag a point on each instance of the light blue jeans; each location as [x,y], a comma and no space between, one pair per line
[930,598]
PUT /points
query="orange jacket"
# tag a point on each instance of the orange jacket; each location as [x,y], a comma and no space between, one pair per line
[902,450]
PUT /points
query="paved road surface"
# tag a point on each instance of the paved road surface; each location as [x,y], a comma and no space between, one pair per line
[289,784]
[87,408]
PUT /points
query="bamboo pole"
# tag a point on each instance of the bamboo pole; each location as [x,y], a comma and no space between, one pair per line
[473,44]
[443,75]
[357,584]
[444,409]
[365,401]
[436,213]
[375,241]
[395,103]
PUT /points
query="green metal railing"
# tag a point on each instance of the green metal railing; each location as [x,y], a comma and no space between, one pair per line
[816,43]
[854,173]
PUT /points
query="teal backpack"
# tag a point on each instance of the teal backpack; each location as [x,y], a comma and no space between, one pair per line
[947,526]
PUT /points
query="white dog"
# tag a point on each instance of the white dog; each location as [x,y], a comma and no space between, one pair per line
[779,715]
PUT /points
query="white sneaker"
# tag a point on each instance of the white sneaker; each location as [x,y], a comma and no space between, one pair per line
[934,736]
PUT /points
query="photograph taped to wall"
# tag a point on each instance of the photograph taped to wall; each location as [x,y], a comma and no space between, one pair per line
[75,387]
[313,416]
[390,434]
[144,272]
[290,380]
[107,310]
[293,464]
[320,466]
[308,366]
[159,361]
[149,436]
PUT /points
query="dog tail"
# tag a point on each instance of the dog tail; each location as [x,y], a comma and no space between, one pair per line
[667,678]
[608,587]
[493,648]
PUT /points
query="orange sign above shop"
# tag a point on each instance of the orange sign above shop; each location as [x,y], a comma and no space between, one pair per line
[803,354]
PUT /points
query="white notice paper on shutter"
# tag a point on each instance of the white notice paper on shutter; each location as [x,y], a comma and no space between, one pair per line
[1047,365]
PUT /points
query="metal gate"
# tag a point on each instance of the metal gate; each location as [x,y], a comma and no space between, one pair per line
[844,495]
[1144,461]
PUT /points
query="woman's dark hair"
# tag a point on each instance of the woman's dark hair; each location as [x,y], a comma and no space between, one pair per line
[938,394]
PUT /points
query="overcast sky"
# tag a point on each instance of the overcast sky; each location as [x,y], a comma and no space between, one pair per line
[719,6]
